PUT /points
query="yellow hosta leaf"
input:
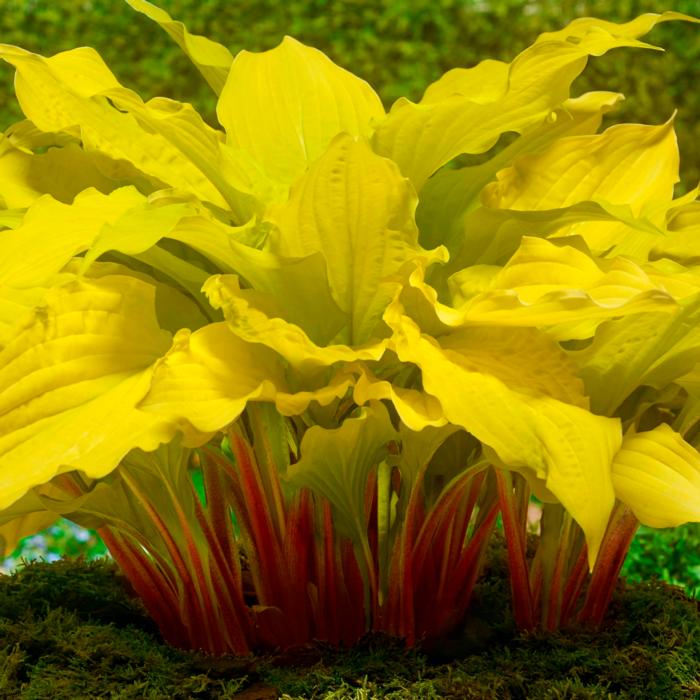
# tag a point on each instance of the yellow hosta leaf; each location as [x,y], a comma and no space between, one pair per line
[285,105]
[483,83]
[582,168]
[491,236]
[11,218]
[586,168]
[451,193]
[418,409]
[564,444]
[61,172]
[213,60]
[207,378]
[650,349]
[682,241]
[544,284]
[234,175]
[678,280]
[68,92]
[52,233]
[357,210]
[524,359]
[35,255]
[657,474]
[581,26]
[297,287]
[422,137]
[254,325]
[70,380]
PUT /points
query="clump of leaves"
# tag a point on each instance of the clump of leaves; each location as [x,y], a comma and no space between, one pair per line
[294,367]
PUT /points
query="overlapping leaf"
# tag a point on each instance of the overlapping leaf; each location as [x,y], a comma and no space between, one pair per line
[212,59]
[356,210]
[336,464]
[657,474]
[520,415]
[423,137]
[70,380]
[68,93]
[285,105]
[642,349]
[451,193]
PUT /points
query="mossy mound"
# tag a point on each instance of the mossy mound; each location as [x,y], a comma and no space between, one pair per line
[70,630]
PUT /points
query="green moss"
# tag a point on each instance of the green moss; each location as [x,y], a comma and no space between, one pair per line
[70,630]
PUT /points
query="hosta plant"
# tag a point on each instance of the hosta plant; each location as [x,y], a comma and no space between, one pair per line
[292,366]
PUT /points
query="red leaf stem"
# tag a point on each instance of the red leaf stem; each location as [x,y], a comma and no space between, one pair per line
[514,525]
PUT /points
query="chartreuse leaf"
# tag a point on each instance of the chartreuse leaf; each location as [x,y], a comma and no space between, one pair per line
[59,231]
[60,172]
[578,168]
[493,235]
[175,309]
[206,379]
[208,376]
[70,380]
[422,137]
[418,409]
[212,59]
[418,447]
[356,209]
[68,92]
[337,463]
[235,175]
[639,26]
[581,168]
[297,288]
[678,280]
[543,284]
[451,193]
[641,349]
[249,316]
[690,414]
[657,474]
[521,418]
[681,241]
[11,218]
[285,105]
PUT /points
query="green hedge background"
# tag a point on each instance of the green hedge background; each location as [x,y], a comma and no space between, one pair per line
[399,46]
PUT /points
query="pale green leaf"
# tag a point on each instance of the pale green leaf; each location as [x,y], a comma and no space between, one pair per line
[337,463]
[641,349]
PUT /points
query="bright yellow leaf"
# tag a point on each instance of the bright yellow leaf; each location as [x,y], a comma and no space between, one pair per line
[657,474]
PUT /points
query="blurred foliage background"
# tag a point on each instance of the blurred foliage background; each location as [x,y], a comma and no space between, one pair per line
[399,46]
